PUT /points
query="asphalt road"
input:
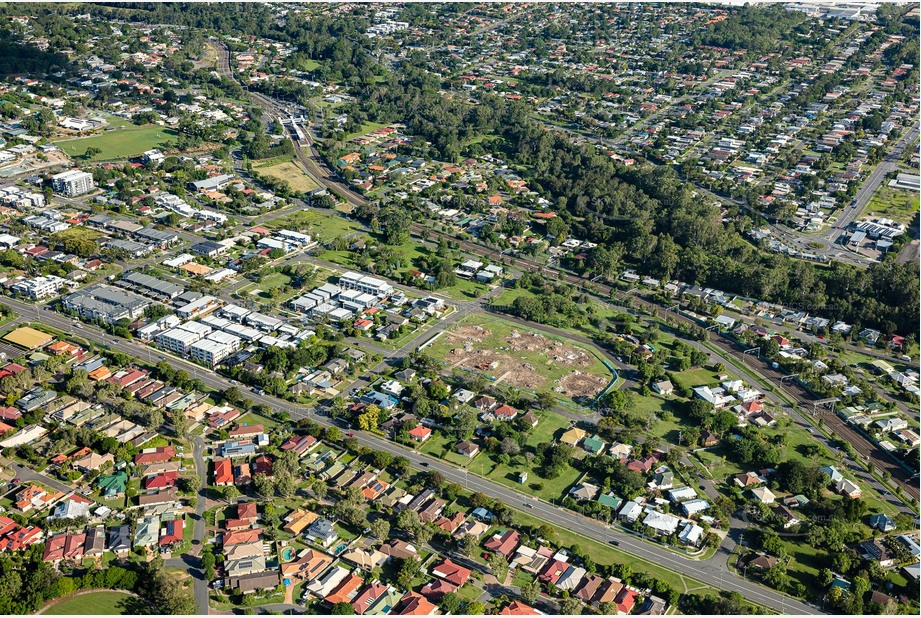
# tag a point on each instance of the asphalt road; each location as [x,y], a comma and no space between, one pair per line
[713,571]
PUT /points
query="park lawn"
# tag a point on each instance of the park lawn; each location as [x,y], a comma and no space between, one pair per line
[289,172]
[321,226]
[108,603]
[891,203]
[121,143]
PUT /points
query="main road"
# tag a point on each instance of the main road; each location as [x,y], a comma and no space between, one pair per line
[713,571]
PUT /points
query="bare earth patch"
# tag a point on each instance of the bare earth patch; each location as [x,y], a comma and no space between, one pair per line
[580,385]
[505,367]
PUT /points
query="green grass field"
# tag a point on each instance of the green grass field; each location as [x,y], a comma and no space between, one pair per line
[121,143]
[365,128]
[893,204]
[288,171]
[109,603]
[321,226]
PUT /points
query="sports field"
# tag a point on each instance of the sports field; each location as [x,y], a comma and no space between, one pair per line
[290,172]
[108,603]
[120,143]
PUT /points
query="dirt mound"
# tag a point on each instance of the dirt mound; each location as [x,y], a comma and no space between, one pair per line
[467,334]
[581,385]
[556,351]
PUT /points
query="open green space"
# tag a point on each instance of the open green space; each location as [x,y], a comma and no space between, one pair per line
[121,143]
[322,227]
[289,171]
[107,603]
[892,203]
[442,446]
[365,128]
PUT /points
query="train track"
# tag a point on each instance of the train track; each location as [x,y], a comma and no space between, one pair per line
[318,168]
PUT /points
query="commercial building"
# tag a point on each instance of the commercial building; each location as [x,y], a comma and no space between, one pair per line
[72,182]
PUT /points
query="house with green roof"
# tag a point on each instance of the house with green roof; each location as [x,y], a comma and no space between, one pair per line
[611,501]
[113,485]
[593,445]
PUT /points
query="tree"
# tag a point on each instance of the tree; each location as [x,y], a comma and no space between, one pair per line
[570,607]
[451,603]
[264,486]
[190,484]
[380,528]
[530,592]
[91,152]
[230,493]
[544,400]
[342,609]
[498,566]
[469,545]
[409,569]
[474,608]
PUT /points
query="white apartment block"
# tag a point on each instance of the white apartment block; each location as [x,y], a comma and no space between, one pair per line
[214,348]
[366,284]
[40,287]
[181,338]
[73,182]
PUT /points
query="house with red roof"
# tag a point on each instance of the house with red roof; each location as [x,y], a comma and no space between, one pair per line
[503,543]
[171,532]
[22,538]
[367,597]
[9,413]
[516,608]
[505,412]
[414,604]
[161,454]
[552,571]
[300,444]
[625,601]
[435,590]
[420,433]
[248,511]
[451,572]
[262,465]
[223,472]
[162,480]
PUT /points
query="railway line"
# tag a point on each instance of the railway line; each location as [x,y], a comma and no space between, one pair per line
[318,168]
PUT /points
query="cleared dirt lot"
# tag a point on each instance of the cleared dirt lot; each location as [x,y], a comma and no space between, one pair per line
[527,360]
